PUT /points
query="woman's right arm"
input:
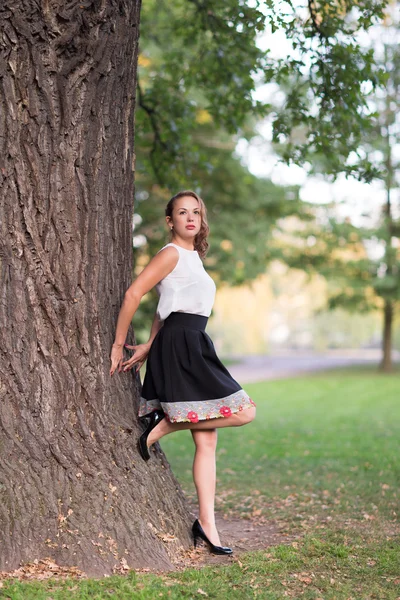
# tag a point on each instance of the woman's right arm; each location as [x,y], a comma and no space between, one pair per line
[159,267]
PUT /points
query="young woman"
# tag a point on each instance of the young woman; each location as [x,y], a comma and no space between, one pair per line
[186,386]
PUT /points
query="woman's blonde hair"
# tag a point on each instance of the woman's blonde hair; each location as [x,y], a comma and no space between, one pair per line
[200,241]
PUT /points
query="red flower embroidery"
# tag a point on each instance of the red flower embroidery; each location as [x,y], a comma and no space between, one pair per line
[251,402]
[193,416]
[240,407]
[225,411]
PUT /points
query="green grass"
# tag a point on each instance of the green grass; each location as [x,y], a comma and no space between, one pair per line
[316,570]
[321,460]
[330,439]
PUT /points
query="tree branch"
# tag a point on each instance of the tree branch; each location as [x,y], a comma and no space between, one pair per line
[314,18]
[157,139]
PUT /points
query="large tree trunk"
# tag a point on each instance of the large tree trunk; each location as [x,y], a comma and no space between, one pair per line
[386,364]
[72,484]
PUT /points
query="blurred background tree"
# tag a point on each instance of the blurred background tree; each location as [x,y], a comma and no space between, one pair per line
[194,102]
[362,261]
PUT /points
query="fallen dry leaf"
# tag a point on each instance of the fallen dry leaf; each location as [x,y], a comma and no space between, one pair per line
[166,537]
[42,569]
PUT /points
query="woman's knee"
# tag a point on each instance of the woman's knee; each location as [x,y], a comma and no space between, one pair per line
[246,416]
[205,439]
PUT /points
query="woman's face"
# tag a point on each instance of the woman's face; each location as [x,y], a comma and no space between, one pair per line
[186,217]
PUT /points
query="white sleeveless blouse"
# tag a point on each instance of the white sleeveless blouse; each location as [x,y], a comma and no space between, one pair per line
[188,288]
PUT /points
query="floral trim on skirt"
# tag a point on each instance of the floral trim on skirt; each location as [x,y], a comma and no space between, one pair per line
[178,412]
[184,376]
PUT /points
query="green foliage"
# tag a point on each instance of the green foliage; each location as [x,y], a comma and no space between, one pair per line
[195,56]
[196,77]
[242,212]
[327,78]
[339,251]
[360,279]
[205,54]
[199,65]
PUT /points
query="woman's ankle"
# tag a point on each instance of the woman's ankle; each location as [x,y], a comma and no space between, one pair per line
[157,433]
[207,521]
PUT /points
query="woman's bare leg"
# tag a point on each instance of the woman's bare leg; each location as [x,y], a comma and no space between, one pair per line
[204,476]
[165,427]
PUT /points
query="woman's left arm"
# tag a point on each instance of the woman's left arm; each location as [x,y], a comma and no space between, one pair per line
[142,350]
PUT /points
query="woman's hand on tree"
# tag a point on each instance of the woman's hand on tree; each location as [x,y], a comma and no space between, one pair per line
[139,357]
[116,358]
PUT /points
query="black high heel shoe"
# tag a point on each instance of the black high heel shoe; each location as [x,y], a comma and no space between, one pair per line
[198,532]
[153,419]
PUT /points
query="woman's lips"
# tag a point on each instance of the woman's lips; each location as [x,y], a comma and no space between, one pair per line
[190,226]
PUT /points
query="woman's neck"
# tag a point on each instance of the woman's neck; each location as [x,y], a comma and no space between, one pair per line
[186,244]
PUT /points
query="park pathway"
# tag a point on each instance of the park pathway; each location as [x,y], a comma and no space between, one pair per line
[281,365]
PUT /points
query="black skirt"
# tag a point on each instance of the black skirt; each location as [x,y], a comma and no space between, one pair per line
[184,376]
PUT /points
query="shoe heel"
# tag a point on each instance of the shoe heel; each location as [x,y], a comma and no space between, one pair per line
[198,532]
[197,541]
[154,418]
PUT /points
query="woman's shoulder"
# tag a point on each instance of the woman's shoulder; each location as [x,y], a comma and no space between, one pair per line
[183,252]
[179,259]
[165,260]
[171,249]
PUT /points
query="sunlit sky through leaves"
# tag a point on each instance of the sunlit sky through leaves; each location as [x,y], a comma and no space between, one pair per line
[355,200]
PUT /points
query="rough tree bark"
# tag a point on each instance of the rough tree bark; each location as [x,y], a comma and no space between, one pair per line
[72,484]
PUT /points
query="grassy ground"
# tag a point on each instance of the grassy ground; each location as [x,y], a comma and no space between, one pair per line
[322,460]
